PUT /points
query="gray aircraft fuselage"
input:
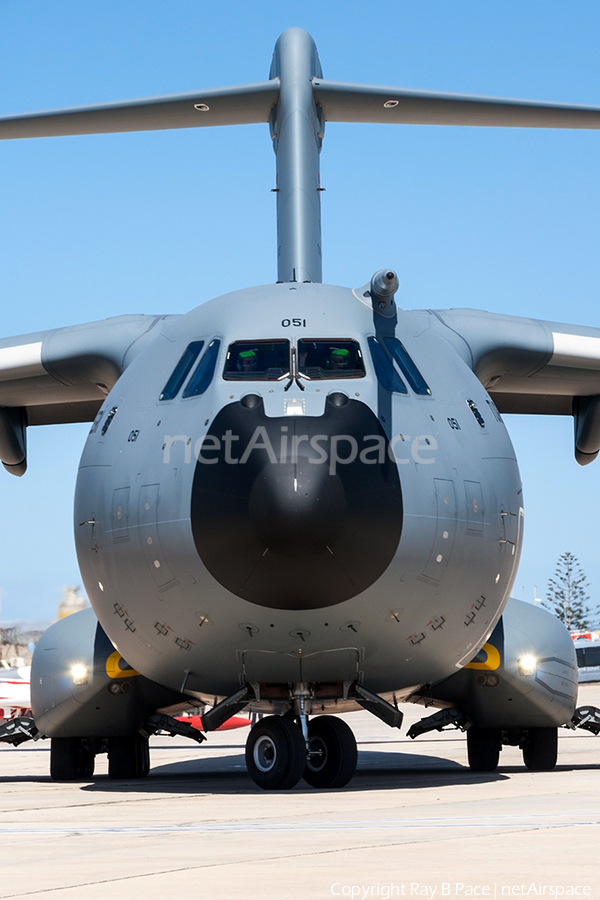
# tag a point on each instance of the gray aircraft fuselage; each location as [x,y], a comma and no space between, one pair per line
[363,531]
[299,498]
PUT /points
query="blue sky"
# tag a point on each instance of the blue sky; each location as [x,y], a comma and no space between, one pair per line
[103,225]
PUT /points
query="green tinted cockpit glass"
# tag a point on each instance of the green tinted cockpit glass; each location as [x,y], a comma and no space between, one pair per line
[384,369]
[257,361]
[205,370]
[181,370]
[330,358]
[406,365]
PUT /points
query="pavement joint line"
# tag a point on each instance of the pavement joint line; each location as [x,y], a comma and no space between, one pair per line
[210,865]
[529,822]
[562,801]
[204,866]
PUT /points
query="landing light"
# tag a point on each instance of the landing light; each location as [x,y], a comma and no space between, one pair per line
[80,674]
[527,665]
[294,407]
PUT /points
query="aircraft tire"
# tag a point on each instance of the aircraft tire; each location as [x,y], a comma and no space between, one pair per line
[483,749]
[144,757]
[128,757]
[541,749]
[275,753]
[71,759]
[335,743]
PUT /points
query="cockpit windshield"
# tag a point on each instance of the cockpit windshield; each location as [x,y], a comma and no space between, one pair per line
[329,359]
[309,360]
[257,361]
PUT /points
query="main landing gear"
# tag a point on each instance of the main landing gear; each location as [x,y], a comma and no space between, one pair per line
[539,746]
[279,752]
[540,749]
[128,757]
[483,748]
[73,758]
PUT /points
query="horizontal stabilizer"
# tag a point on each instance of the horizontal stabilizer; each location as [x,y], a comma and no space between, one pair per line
[343,102]
[242,105]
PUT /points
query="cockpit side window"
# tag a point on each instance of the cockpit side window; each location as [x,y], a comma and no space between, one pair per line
[205,370]
[384,369]
[330,358]
[257,361]
[407,366]
[181,370]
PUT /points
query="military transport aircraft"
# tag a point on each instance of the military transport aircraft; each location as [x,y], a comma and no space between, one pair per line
[300,499]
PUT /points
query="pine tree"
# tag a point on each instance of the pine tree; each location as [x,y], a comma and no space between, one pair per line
[567,596]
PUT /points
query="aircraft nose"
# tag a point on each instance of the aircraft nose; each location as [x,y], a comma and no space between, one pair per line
[298,509]
[300,515]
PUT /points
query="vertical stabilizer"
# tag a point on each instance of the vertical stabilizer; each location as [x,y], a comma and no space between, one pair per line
[297,127]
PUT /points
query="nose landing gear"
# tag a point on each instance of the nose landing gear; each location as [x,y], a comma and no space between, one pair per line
[332,754]
[275,753]
[278,756]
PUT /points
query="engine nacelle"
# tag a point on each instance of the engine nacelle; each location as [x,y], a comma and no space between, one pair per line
[81,686]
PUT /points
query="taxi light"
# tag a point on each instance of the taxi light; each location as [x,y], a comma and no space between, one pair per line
[80,674]
[527,665]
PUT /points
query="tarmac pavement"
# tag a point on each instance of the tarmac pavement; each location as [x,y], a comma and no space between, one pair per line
[413,822]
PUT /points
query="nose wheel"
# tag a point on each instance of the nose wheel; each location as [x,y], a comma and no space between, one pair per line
[275,753]
[332,753]
[278,756]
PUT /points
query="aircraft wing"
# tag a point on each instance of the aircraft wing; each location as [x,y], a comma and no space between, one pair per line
[533,366]
[63,375]
[242,105]
[344,102]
